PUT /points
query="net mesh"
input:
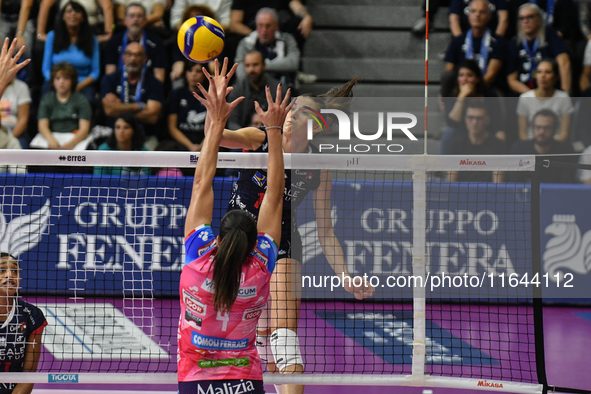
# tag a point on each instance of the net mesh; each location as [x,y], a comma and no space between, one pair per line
[100,256]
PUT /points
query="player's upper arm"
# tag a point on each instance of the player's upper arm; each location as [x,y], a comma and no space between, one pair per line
[248,138]
[266,250]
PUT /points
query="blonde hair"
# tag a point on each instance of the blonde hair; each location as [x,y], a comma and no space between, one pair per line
[540,15]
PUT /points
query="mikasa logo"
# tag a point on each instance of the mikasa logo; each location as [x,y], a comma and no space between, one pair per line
[344,123]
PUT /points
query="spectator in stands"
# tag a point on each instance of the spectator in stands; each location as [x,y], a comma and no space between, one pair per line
[15,105]
[64,110]
[478,43]
[16,22]
[73,42]
[545,125]
[103,29]
[478,141]
[154,12]
[221,10]
[127,136]
[534,42]
[586,74]
[178,59]
[135,20]
[561,15]
[256,121]
[133,90]
[585,18]
[186,116]
[469,85]
[280,50]
[252,88]
[7,141]
[293,17]
[584,176]
[460,11]
[545,96]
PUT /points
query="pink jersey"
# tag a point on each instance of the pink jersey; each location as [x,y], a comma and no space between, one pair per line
[212,345]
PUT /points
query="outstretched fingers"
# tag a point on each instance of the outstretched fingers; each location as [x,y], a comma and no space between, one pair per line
[286,98]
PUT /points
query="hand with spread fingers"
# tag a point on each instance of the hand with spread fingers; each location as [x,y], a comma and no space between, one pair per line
[277,110]
[214,99]
[9,65]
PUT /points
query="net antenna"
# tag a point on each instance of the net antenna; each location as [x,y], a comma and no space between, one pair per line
[426,73]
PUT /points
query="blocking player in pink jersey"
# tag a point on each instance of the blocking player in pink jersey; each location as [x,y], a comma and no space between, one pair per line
[225,280]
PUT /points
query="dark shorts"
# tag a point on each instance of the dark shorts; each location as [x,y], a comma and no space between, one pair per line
[227,386]
[290,246]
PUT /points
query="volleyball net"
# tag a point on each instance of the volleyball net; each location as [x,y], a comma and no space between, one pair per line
[454,265]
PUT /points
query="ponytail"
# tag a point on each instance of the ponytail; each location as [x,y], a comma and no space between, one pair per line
[237,239]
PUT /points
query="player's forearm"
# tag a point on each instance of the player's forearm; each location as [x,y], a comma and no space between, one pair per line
[23,388]
[275,169]
[333,251]
[208,157]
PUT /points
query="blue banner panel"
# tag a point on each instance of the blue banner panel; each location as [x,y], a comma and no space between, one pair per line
[85,235]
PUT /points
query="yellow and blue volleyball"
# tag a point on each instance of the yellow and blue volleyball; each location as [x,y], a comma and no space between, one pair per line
[201,39]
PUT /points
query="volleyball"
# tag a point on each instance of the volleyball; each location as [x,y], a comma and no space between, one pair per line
[201,39]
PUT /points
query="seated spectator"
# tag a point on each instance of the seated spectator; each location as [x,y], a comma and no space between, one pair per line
[221,10]
[586,74]
[585,18]
[545,125]
[186,115]
[15,105]
[256,121]
[561,15]
[460,9]
[7,141]
[72,42]
[293,17]
[469,85]
[478,43]
[545,96]
[92,8]
[584,176]
[178,59]
[127,136]
[479,141]
[17,22]
[280,50]
[534,42]
[154,10]
[252,88]
[64,110]
[135,91]
[135,20]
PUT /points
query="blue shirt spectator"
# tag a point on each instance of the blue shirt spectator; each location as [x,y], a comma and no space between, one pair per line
[460,9]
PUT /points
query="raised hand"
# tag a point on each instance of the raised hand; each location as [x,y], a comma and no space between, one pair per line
[214,100]
[221,77]
[8,63]
[276,111]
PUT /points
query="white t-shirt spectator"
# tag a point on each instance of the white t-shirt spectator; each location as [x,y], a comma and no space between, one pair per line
[584,176]
[528,105]
[7,141]
[587,56]
[15,95]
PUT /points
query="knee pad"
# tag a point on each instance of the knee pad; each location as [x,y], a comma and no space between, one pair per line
[286,348]
[264,348]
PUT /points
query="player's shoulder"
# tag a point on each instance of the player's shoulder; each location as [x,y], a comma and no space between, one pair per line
[29,310]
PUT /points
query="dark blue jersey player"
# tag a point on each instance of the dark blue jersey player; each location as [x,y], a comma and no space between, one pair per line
[277,339]
[21,328]
[249,191]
